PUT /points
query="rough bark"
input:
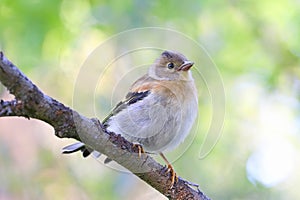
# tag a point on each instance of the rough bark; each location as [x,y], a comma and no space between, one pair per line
[31,102]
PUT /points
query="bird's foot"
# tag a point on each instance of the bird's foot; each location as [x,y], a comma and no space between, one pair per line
[174,177]
[140,148]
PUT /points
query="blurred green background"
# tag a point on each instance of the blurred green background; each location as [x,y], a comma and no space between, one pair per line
[256,48]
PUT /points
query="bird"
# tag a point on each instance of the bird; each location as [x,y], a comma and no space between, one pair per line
[159,110]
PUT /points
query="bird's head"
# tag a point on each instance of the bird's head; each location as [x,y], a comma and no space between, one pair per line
[171,66]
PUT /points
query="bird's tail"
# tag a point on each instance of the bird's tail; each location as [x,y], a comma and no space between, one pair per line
[78,146]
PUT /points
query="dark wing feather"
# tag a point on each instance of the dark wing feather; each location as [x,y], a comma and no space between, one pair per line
[131,98]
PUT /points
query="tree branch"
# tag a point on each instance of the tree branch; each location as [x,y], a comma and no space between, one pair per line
[31,102]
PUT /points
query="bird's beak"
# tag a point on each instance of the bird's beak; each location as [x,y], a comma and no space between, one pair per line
[185,66]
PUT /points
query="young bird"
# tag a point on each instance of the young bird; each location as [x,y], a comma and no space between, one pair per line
[159,110]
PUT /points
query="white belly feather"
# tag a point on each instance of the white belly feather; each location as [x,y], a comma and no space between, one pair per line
[158,124]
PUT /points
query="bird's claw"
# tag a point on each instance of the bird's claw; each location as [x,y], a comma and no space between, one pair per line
[140,149]
[174,177]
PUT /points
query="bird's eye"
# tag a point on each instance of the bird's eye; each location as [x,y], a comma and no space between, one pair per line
[170,65]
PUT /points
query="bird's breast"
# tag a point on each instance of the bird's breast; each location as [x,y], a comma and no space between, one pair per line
[161,120]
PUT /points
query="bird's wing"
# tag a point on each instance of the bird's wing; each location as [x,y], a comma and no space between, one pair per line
[131,98]
[140,89]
